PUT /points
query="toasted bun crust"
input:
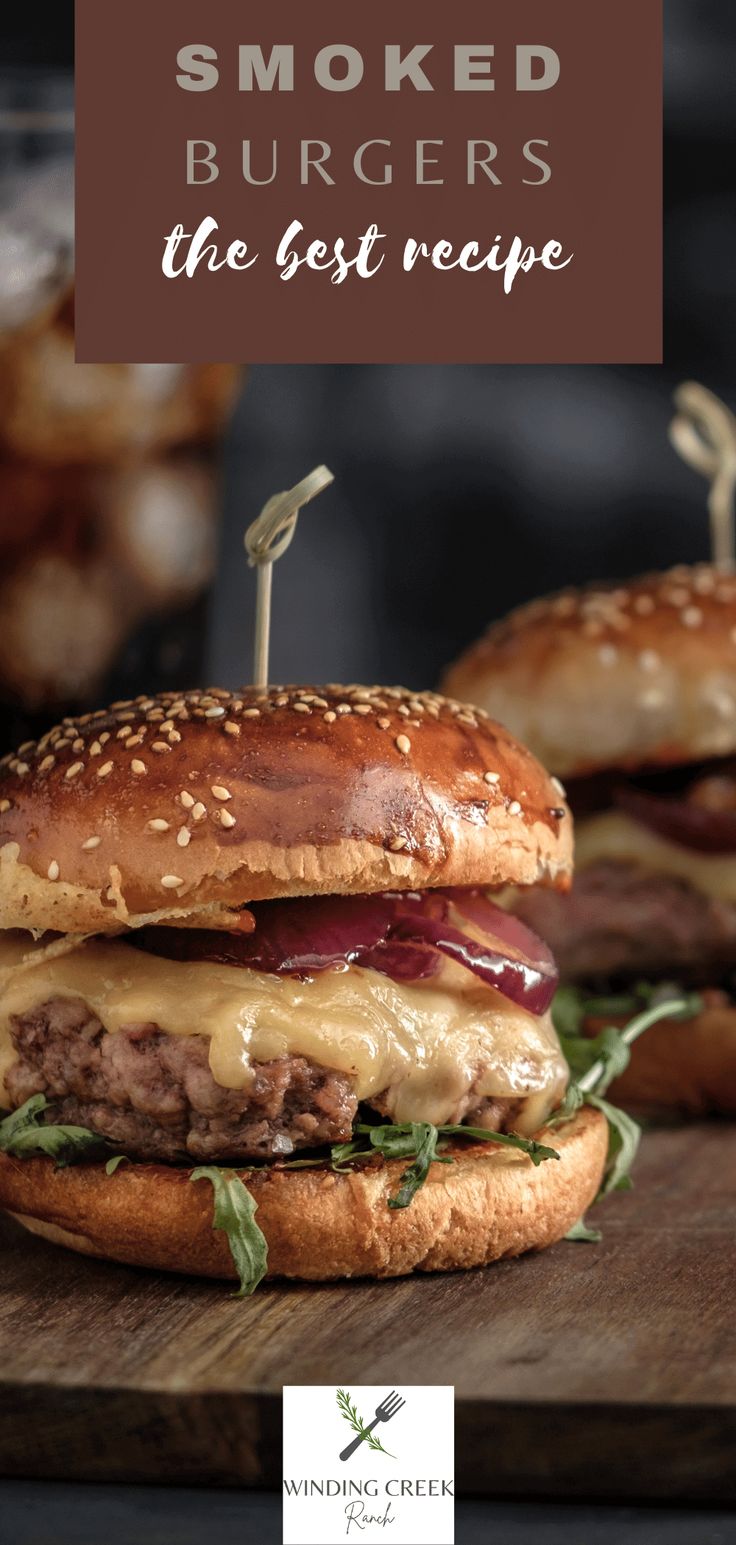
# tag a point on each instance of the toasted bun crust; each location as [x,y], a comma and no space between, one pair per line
[600,678]
[689,1066]
[489,1204]
[184,808]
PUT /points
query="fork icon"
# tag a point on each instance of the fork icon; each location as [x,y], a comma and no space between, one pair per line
[388,1408]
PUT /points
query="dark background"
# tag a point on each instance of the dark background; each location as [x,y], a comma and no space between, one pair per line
[463,490]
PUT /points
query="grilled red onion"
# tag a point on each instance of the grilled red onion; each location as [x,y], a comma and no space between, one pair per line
[680,820]
[401,934]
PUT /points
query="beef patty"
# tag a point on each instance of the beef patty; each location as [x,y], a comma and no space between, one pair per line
[623,921]
[153,1095]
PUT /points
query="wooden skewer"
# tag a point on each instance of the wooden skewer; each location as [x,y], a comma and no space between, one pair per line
[265,541]
[703,431]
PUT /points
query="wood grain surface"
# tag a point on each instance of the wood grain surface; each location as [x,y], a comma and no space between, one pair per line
[603,1371]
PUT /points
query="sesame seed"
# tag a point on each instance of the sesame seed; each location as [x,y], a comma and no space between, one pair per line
[383,724]
[220,792]
[103,771]
[174,737]
[183,837]
[171,882]
[397,843]
[95,748]
[199,811]
[691,617]
[676,597]
[138,767]
[230,728]
[226,819]
[559,788]
[649,660]
[74,770]
[514,807]
[91,842]
[124,732]
[251,713]
[77,745]
[344,708]
[187,799]
[492,777]
[53,870]
[362,708]
[653,698]
[105,736]
[644,605]
[403,710]
[167,724]
[608,654]
[4,805]
[157,825]
[722,701]
[159,745]
[21,768]
[403,744]
[47,762]
[301,708]
[329,717]
[214,713]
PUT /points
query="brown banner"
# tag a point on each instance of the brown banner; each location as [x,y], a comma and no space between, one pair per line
[478,182]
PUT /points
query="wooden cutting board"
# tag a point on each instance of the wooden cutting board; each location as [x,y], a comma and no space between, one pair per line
[603,1371]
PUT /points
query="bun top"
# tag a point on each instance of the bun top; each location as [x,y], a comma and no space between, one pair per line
[636,675]
[184,808]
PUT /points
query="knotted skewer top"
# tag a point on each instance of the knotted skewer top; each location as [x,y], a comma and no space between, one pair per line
[703,431]
[266,540]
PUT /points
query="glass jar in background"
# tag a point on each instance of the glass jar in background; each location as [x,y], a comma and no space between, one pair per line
[108,473]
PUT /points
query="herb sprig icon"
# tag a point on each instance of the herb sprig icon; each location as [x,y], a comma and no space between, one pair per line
[349,1411]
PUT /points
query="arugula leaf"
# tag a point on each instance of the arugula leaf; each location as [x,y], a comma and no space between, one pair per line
[25,1116]
[537,1152]
[115,1161]
[234,1213]
[23,1134]
[595,1062]
[580,1231]
[623,1142]
[424,1140]
[342,1153]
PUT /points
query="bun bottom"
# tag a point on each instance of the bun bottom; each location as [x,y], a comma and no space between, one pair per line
[684,1065]
[491,1203]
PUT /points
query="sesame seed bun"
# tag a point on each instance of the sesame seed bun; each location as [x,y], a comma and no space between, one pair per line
[184,808]
[491,1203]
[639,674]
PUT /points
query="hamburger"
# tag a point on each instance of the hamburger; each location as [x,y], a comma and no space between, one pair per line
[259,1012]
[629,694]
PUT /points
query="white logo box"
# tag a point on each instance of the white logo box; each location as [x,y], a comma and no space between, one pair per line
[403,1496]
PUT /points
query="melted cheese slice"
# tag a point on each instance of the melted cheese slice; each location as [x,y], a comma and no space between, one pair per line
[614,835]
[426,1044]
